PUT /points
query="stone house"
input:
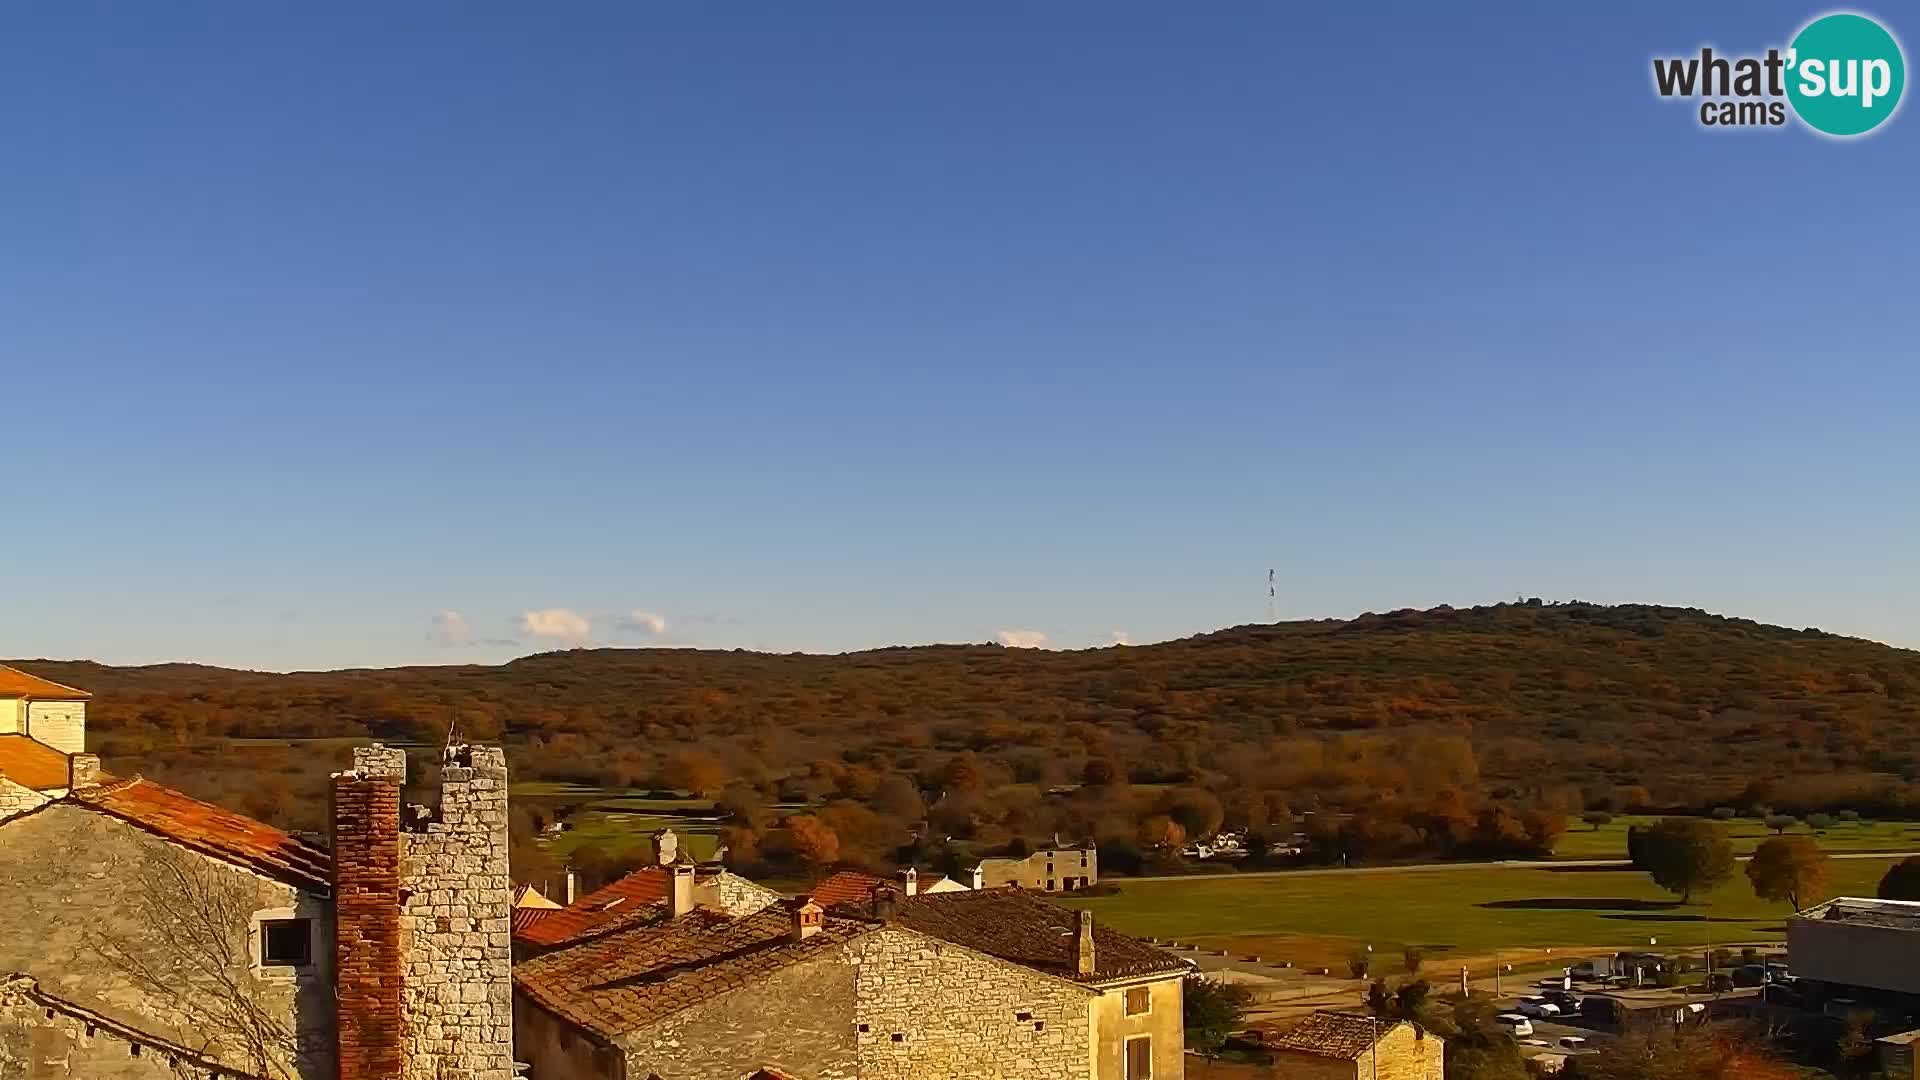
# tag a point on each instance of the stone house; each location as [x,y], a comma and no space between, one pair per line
[1352,1046]
[1054,869]
[993,985]
[857,886]
[149,934]
[643,896]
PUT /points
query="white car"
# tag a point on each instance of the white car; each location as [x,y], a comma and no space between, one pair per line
[1537,1007]
[1514,1024]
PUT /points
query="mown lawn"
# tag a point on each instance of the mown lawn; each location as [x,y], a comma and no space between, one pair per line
[1448,911]
[1609,841]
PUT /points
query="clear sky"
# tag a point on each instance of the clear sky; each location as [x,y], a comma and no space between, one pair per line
[342,335]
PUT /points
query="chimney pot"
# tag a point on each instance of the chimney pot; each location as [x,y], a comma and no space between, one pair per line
[666,847]
[681,897]
[1083,959]
[83,770]
[909,881]
[806,920]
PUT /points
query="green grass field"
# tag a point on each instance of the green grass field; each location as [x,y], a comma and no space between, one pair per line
[1316,919]
[1609,841]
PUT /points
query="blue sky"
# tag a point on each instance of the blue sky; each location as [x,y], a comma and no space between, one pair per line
[836,325]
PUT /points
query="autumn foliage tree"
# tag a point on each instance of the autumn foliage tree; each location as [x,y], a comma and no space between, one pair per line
[814,841]
[1788,868]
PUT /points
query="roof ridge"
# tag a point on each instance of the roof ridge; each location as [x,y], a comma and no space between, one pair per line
[36,678]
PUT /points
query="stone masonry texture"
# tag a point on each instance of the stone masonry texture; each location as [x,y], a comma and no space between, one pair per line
[456,928]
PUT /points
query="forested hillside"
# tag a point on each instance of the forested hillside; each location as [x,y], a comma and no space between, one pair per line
[1561,707]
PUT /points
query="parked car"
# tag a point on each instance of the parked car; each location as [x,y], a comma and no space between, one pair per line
[1537,1007]
[1568,1001]
[1514,1024]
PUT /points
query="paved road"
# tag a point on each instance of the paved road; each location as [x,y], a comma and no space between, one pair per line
[1507,864]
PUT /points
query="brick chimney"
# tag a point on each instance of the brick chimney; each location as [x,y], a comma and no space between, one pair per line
[1083,962]
[680,899]
[909,881]
[807,919]
[368,962]
[83,770]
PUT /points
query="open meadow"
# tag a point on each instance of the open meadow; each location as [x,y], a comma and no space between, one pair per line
[1454,915]
[1609,841]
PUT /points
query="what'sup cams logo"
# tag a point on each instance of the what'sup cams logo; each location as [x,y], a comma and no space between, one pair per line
[1842,76]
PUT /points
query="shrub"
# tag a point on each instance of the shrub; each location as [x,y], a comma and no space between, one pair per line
[1819,822]
[1724,813]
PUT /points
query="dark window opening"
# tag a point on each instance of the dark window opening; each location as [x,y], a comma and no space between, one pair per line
[1023,1017]
[1039,1025]
[286,943]
[863,1027]
[899,1036]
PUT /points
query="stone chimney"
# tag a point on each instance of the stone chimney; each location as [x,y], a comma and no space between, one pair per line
[83,770]
[423,981]
[680,898]
[1083,962]
[909,881]
[807,919]
[666,847]
[886,902]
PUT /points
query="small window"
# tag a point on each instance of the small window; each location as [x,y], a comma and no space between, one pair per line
[1039,1025]
[1049,884]
[1023,1017]
[863,1029]
[1140,1058]
[286,943]
[1139,1000]
[899,1036]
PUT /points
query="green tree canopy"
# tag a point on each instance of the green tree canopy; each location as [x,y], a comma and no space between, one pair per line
[1686,855]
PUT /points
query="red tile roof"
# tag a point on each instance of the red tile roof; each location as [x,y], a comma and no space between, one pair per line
[16,683]
[845,887]
[32,764]
[633,898]
[631,978]
[211,830]
[525,917]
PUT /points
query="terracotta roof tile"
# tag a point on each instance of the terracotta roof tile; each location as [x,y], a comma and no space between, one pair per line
[634,898]
[1016,925]
[17,683]
[1334,1034]
[630,978]
[845,887]
[526,917]
[211,830]
[32,764]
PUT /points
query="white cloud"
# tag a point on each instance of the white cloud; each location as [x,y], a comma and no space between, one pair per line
[1120,637]
[450,628]
[559,624]
[644,622]
[1022,639]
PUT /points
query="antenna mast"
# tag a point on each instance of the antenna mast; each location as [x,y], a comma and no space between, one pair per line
[1272,615]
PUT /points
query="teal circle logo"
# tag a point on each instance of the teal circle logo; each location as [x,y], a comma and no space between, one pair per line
[1845,74]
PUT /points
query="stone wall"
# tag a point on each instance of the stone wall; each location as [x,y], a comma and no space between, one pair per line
[456,926]
[60,724]
[799,1020]
[934,1011]
[1046,870]
[45,1038]
[426,980]
[62,916]
[15,799]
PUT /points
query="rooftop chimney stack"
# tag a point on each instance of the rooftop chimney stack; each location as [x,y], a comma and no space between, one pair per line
[886,902]
[1083,963]
[909,881]
[681,898]
[666,847]
[83,770]
[573,884]
[806,920]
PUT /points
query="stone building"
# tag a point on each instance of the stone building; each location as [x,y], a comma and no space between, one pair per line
[1351,1046]
[857,886]
[148,934]
[643,896]
[1054,869]
[996,985]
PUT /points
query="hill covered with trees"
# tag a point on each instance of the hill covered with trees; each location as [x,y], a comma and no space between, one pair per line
[1416,721]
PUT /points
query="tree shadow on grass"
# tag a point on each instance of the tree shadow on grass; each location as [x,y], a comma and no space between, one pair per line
[1581,903]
